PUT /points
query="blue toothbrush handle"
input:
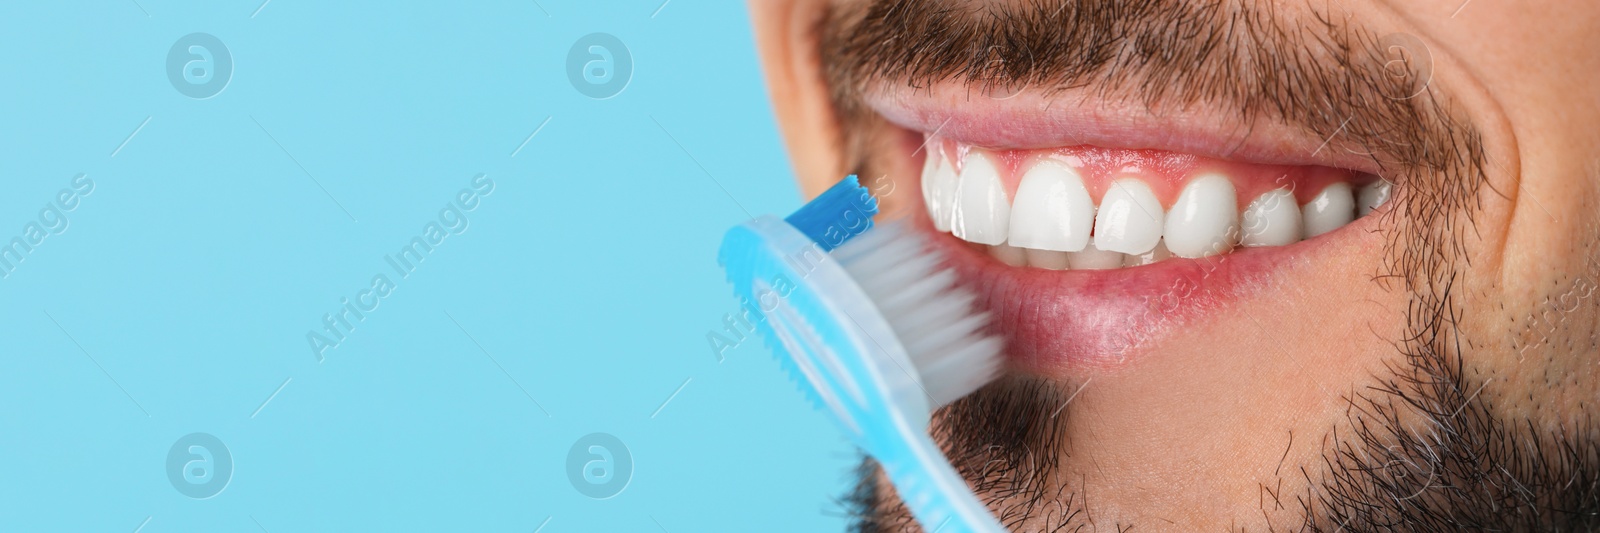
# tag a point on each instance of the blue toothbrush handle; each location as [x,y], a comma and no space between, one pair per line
[936,495]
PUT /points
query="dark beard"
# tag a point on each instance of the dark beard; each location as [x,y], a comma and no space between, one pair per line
[1424,450]
[1422,447]
[1421,451]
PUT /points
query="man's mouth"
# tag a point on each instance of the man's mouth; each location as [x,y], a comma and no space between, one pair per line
[1092,208]
[1088,252]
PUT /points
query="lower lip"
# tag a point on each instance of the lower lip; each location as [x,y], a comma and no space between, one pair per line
[1079,320]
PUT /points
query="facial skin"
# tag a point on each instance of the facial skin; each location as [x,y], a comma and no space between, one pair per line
[1433,368]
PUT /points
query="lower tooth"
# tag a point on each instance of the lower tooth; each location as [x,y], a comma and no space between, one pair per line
[1047,259]
[1092,258]
[1160,253]
[1008,254]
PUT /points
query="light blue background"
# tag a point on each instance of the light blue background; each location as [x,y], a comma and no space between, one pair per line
[222,230]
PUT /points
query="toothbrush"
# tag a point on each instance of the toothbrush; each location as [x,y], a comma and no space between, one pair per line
[875,332]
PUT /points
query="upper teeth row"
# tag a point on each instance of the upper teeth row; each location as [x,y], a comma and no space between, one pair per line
[1053,212]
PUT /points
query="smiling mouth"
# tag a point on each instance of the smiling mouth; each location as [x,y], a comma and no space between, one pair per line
[1094,208]
[1090,234]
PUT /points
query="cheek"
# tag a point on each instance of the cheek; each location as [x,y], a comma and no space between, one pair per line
[1539,356]
[1532,326]
[898,180]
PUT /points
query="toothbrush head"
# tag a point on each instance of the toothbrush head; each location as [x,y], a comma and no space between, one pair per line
[874,331]
[837,215]
[933,319]
[878,286]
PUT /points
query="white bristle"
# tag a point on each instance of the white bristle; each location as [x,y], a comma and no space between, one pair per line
[935,320]
[929,344]
[964,369]
[943,311]
[913,292]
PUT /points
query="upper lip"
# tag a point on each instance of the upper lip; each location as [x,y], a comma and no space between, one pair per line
[1071,117]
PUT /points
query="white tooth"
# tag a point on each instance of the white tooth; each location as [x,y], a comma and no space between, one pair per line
[1052,210]
[1008,254]
[1272,219]
[1331,209]
[1129,219]
[1092,258]
[1371,196]
[1205,219]
[982,212]
[938,189]
[1047,259]
[930,165]
[1160,253]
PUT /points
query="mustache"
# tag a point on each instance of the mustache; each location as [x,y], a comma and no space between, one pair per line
[1309,70]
